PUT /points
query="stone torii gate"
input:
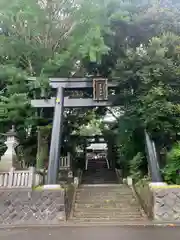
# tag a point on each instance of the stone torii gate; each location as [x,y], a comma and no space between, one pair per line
[100,98]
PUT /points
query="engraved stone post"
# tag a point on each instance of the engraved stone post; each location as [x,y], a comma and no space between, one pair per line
[9,159]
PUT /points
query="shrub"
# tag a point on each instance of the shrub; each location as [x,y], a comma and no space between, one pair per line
[137,166]
[171,170]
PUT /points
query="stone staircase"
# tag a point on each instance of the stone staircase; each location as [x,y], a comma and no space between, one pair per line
[100,199]
[99,176]
[98,173]
[106,203]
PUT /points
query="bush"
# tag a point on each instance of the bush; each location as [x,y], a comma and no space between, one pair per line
[137,166]
[2,148]
[171,171]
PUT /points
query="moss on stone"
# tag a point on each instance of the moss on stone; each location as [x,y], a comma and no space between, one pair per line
[166,187]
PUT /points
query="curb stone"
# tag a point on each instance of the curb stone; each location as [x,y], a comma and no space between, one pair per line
[72,224]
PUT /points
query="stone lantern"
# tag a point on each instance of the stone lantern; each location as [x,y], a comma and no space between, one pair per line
[9,159]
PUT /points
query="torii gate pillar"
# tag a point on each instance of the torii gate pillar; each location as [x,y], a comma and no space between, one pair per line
[56,136]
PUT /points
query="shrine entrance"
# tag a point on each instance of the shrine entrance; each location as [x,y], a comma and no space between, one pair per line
[99,169]
[102,94]
[96,153]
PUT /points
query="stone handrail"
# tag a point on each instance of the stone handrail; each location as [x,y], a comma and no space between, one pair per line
[20,178]
[145,197]
[70,202]
[65,162]
[161,202]
[119,175]
[69,192]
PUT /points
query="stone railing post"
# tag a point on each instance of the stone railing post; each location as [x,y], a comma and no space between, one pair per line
[69,159]
[9,159]
[32,176]
[11,176]
[69,164]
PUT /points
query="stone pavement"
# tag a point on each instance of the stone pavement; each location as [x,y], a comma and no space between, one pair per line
[95,233]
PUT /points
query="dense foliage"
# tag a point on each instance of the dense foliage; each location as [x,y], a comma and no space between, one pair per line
[44,39]
[147,63]
[172,169]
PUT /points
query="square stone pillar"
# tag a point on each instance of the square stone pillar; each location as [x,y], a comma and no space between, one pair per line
[9,159]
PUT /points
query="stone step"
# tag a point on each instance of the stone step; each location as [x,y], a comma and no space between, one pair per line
[104,194]
[105,191]
[91,167]
[100,188]
[106,206]
[95,162]
[108,209]
[99,175]
[105,197]
[101,164]
[128,215]
[111,186]
[107,188]
[108,214]
[105,201]
[106,219]
[95,181]
[113,223]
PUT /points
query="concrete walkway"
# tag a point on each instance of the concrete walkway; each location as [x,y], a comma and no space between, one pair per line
[95,233]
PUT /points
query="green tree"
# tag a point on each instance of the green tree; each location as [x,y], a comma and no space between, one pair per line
[135,41]
[144,56]
[44,39]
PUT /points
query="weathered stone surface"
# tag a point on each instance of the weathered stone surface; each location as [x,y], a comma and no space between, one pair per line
[114,203]
[35,207]
[166,204]
[145,196]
